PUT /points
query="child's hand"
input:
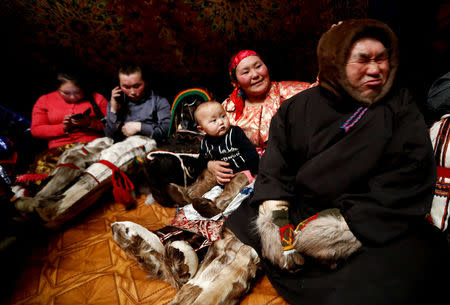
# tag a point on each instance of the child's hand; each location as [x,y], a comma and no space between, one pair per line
[221,171]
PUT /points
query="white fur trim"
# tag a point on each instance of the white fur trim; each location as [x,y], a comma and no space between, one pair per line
[190,257]
[136,229]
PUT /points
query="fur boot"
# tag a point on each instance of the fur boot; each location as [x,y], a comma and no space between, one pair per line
[182,261]
[70,166]
[205,207]
[78,158]
[225,275]
[326,238]
[57,209]
[178,195]
[202,184]
[176,263]
[231,189]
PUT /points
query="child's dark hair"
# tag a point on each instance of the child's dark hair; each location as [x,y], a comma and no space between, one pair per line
[204,104]
[131,68]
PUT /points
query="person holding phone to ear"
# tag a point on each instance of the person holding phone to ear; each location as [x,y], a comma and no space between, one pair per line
[134,109]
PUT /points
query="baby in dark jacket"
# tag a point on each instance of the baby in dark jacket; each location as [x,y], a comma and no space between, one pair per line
[225,143]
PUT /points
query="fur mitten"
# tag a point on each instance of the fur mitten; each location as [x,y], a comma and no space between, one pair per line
[276,235]
[326,237]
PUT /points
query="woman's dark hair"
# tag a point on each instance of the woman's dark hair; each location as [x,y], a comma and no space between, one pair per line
[66,76]
[81,82]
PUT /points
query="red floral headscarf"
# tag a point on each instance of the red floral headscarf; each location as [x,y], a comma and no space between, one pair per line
[237,96]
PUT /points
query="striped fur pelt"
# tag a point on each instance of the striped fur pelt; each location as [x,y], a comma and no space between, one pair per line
[225,275]
[165,256]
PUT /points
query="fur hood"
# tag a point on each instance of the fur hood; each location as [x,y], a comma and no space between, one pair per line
[334,49]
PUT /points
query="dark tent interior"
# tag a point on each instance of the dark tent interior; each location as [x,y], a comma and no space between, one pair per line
[188,43]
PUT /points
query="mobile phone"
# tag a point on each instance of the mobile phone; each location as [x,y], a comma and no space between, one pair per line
[78,116]
[121,98]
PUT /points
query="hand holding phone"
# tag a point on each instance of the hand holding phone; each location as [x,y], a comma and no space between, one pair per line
[78,116]
[80,120]
[67,123]
[117,98]
[121,97]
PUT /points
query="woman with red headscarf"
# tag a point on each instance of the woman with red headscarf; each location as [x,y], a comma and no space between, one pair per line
[253,102]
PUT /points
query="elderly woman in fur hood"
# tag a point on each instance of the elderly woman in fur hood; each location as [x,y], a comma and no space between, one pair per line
[342,191]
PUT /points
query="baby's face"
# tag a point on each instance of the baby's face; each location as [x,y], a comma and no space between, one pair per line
[213,120]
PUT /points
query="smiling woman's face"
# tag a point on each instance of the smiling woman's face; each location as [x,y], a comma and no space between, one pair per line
[253,76]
